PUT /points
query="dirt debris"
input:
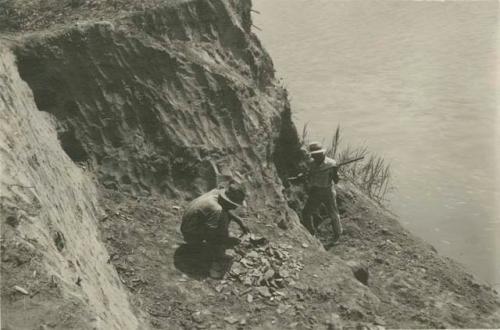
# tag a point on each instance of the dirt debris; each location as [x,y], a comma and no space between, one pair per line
[265,282]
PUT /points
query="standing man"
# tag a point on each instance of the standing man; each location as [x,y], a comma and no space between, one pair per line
[206,221]
[320,179]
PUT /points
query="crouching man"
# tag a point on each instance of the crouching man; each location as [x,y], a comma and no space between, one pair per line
[206,221]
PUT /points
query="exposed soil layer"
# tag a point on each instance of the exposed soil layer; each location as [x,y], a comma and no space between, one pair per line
[110,127]
[54,270]
[159,98]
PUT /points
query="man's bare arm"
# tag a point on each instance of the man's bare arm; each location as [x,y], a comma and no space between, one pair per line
[239,221]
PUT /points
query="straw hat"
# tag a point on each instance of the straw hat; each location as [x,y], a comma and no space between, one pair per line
[234,194]
[316,148]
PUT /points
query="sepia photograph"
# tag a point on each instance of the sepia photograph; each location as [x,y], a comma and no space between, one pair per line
[249,164]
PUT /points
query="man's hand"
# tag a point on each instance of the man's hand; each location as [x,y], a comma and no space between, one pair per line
[239,221]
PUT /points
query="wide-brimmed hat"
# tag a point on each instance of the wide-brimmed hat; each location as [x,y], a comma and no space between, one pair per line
[316,148]
[234,194]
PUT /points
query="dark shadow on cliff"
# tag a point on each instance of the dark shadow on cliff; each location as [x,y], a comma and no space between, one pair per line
[288,156]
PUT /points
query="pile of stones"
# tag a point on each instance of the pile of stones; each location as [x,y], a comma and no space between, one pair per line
[265,266]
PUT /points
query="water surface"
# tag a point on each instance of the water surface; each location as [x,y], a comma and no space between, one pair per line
[418,82]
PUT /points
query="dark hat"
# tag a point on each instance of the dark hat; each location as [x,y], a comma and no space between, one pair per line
[234,194]
[316,148]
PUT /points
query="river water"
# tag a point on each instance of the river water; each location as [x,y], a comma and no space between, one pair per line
[418,83]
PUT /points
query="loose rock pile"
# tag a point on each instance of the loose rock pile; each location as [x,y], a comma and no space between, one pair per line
[264,267]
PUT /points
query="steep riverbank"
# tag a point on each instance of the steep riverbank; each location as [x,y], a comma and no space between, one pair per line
[110,126]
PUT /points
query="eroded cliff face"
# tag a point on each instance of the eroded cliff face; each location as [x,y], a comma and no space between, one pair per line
[51,246]
[110,127]
[160,98]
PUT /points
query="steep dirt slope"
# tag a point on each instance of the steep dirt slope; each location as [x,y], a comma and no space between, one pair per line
[285,283]
[51,247]
[416,287]
[119,123]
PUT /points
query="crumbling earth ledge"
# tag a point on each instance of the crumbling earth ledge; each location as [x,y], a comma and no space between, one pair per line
[109,127]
